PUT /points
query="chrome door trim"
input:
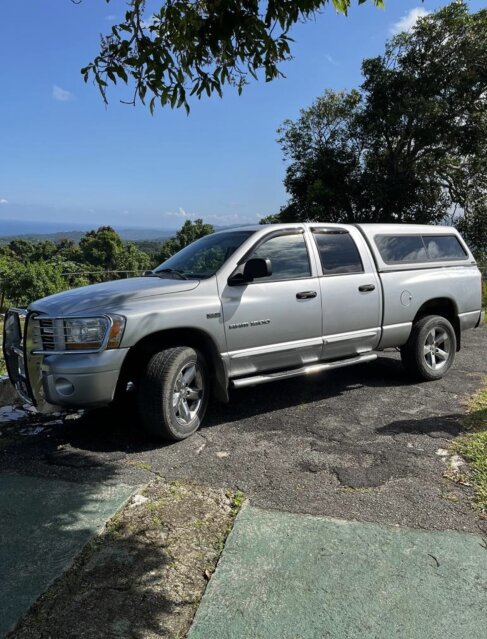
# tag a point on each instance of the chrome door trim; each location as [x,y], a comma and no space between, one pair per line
[274,348]
[352,335]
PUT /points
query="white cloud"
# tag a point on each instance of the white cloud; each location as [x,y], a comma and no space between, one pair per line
[111,18]
[180,213]
[225,219]
[3,201]
[330,59]
[61,95]
[408,21]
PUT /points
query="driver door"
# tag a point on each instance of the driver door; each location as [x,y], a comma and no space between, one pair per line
[274,322]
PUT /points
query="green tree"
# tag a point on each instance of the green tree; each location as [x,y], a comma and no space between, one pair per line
[31,270]
[473,226]
[68,249]
[189,232]
[5,268]
[194,47]
[411,145]
[44,250]
[25,282]
[102,248]
[21,249]
[105,250]
[325,147]
[133,259]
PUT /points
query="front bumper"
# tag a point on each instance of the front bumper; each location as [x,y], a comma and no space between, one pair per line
[75,380]
[81,381]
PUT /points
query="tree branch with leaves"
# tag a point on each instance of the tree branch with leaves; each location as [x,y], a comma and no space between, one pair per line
[196,47]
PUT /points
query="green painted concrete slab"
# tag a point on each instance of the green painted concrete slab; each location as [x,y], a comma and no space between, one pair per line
[44,523]
[300,577]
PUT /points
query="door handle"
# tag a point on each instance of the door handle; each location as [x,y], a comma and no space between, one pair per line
[366,287]
[306,295]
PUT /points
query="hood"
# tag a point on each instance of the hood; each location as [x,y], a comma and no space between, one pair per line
[109,296]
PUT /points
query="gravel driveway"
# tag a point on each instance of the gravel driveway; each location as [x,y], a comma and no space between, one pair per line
[359,443]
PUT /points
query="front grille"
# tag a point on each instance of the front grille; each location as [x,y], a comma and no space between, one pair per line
[47,335]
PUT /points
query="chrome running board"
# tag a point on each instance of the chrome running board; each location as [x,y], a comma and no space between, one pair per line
[297,372]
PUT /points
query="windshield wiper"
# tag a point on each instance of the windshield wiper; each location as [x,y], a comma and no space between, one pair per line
[171,271]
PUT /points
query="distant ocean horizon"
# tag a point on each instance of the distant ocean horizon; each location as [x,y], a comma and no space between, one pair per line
[17,228]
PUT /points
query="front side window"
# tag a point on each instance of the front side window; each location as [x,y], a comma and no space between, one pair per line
[288,254]
[338,253]
[203,258]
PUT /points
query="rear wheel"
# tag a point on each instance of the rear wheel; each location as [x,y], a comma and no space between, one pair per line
[430,350]
[173,393]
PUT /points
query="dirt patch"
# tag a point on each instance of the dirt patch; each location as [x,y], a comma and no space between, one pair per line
[145,575]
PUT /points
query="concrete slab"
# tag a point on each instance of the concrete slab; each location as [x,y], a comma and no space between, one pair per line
[294,576]
[44,523]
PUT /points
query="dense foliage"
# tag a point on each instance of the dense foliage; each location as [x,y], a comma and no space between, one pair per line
[31,270]
[410,145]
[194,47]
[189,232]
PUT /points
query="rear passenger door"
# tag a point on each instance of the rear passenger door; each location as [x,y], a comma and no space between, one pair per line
[350,293]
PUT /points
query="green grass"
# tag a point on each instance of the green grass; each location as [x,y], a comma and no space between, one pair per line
[237,502]
[473,447]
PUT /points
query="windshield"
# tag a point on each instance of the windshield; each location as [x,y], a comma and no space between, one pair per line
[203,258]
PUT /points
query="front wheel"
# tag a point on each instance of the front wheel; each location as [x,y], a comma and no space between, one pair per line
[173,393]
[430,349]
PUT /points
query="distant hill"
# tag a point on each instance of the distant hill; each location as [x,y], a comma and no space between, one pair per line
[54,231]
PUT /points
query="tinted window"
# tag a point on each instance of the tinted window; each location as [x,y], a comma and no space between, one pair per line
[401,248]
[289,257]
[444,247]
[338,253]
[419,248]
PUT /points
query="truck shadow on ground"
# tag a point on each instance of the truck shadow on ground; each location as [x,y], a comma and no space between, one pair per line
[107,430]
[444,426]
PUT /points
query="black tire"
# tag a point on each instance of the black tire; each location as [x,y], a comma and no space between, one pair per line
[430,336]
[163,381]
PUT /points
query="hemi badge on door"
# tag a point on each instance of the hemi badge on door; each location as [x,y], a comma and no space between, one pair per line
[213,315]
[252,323]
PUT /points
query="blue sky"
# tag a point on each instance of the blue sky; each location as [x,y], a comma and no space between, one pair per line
[64,157]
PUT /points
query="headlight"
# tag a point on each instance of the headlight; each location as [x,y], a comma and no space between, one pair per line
[90,333]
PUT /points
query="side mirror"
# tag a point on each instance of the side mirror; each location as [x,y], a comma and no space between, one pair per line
[252,269]
[257,267]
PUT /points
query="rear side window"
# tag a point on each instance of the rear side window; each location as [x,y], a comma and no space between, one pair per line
[289,257]
[338,253]
[419,248]
[401,248]
[444,247]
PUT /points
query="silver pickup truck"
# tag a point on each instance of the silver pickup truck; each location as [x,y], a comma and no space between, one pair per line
[248,306]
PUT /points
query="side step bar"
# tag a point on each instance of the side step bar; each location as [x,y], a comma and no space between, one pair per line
[297,372]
